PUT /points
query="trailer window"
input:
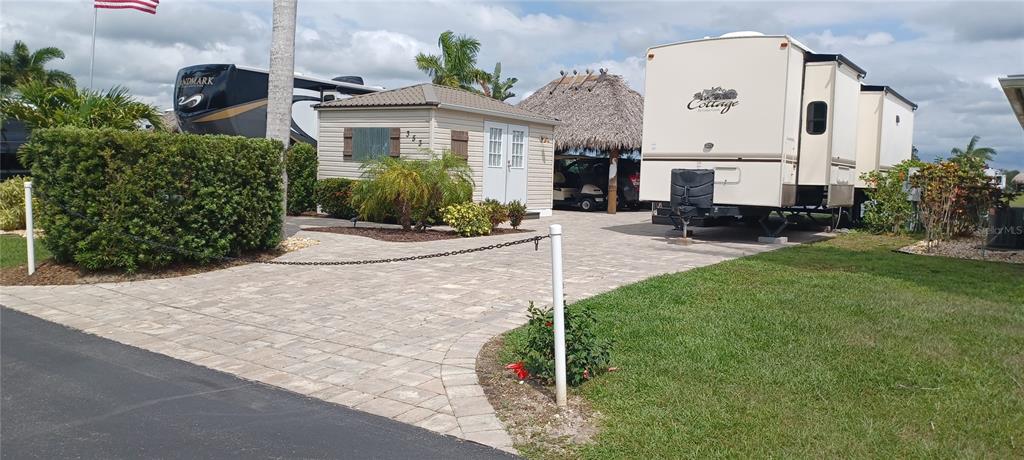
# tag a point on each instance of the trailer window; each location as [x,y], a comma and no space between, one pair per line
[370,143]
[817,117]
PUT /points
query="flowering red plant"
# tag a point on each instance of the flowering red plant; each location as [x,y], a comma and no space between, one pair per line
[519,369]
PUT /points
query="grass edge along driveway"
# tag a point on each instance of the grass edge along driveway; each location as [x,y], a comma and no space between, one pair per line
[841,348]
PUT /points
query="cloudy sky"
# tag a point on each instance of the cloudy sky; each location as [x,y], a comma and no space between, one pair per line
[944,56]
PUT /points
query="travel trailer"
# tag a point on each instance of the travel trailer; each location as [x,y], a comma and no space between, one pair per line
[232,99]
[885,131]
[746,124]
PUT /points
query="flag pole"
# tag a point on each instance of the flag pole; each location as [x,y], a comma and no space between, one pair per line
[92,59]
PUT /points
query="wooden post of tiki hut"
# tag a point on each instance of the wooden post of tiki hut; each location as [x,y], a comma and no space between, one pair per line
[599,112]
[613,181]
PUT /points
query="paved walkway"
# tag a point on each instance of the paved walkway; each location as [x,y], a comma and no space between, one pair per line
[398,340]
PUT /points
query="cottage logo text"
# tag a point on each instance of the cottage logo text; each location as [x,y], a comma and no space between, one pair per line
[196,81]
[715,99]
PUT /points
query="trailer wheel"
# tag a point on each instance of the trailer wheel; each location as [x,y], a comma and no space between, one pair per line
[588,204]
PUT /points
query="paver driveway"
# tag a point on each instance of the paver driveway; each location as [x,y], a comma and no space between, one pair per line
[398,340]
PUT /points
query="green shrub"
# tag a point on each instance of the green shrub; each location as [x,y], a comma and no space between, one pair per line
[334,196]
[956,194]
[497,213]
[516,213]
[301,164]
[468,219]
[412,191]
[586,354]
[888,209]
[12,203]
[115,199]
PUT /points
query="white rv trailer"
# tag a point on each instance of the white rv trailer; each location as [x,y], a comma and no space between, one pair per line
[885,131]
[770,123]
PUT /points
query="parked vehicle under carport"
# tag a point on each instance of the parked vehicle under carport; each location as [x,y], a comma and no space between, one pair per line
[582,183]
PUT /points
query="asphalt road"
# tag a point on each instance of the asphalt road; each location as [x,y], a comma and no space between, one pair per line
[66,394]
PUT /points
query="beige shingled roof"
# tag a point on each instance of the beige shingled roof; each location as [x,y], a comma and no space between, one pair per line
[428,94]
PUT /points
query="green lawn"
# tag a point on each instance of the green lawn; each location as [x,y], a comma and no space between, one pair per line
[13,253]
[1018,202]
[836,349]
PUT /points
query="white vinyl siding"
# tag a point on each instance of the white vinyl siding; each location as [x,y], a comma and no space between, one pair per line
[414,123]
[417,141]
[539,161]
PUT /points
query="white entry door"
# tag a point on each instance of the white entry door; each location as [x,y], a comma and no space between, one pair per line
[506,151]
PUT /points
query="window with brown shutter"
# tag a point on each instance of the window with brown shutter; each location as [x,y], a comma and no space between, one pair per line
[460,144]
[346,149]
[396,142]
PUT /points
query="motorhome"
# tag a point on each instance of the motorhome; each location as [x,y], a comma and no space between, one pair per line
[232,99]
[746,124]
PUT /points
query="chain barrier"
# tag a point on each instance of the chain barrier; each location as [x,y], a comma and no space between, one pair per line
[534,239]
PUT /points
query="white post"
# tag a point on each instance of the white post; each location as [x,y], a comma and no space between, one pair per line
[558,302]
[29,231]
[92,57]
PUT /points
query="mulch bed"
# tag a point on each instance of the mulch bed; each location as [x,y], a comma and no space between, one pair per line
[398,235]
[528,410]
[53,273]
[965,248]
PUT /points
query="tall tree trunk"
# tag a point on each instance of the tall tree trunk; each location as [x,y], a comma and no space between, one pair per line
[282,75]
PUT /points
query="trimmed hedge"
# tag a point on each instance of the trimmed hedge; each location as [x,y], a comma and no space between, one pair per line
[115,199]
[301,163]
[334,195]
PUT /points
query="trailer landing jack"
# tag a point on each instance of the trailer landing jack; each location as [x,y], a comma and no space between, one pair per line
[771,235]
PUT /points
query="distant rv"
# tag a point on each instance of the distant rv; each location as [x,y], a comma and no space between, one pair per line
[232,99]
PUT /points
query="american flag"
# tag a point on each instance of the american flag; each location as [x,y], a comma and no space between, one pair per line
[146,6]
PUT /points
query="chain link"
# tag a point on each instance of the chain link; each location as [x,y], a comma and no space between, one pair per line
[534,239]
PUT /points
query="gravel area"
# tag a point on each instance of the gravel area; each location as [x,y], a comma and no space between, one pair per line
[539,429]
[965,248]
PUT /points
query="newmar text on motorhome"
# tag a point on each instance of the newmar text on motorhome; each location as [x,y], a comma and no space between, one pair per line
[769,126]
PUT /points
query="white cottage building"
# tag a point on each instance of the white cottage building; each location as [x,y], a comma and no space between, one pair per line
[510,150]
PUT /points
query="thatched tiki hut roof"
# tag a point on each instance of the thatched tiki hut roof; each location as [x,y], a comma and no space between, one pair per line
[598,111]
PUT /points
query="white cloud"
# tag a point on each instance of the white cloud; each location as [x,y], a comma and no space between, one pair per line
[828,40]
[945,56]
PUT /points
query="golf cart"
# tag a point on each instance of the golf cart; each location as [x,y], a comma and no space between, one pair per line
[582,183]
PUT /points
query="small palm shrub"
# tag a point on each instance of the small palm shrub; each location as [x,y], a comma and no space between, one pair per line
[301,163]
[390,187]
[412,191]
[468,219]
[12,203]
[496,212]
[516,213]
[334,196]
[586,354]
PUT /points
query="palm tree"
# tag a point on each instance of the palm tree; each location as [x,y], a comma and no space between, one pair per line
[40,105]
[455,67]
[501,90]
[21,66]
[984,154]
[281,82]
